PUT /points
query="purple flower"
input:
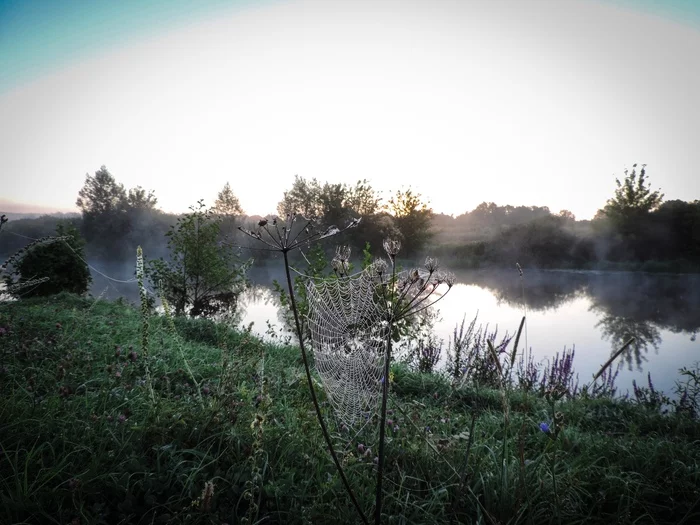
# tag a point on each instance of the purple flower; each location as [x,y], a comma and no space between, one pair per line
[544,427]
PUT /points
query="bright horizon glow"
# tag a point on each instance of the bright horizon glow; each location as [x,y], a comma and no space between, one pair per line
[538,103]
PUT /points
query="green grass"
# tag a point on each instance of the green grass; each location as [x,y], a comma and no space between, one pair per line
[84,436]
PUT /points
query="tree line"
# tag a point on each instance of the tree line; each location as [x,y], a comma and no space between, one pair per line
[634,227]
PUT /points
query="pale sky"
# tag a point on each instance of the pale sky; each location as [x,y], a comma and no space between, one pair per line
[516,102]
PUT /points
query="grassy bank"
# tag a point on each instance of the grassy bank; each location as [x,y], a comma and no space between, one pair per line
[208,425]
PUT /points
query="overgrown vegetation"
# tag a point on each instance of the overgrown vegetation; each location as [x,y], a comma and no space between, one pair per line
[59,265]
[202,276]
[83,438]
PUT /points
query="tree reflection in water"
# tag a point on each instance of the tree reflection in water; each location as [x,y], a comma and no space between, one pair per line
[629,304]
[618,330]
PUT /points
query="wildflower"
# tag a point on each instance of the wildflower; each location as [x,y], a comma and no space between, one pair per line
[207,495]
[360,448]
[122,418]
[544,427]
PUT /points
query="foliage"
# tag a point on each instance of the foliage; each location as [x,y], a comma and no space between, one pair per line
[110,213]
[203,276]
[413,219]
[62,264]
[16,232]
[334,204]
[302,198]
[633,199]
[227,203]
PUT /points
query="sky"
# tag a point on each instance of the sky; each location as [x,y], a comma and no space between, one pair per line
[523,103]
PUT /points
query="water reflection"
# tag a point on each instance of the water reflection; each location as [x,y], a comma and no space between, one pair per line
[627,304]
[619,330]
[538,291]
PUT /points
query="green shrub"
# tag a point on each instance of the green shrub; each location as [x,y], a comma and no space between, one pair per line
[61,262]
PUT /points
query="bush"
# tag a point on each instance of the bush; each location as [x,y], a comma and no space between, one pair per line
[203,277]
[61,262]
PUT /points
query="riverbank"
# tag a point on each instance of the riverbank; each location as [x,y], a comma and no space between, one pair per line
[194,423]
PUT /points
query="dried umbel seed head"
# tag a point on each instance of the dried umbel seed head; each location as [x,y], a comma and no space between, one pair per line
[379,266]
[340,266]
[431,264]
[342,253]
[392,247]
[445,277]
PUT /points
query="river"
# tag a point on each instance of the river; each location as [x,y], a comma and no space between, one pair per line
[591,312]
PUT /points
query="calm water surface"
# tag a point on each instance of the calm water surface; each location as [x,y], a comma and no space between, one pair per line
[592,312]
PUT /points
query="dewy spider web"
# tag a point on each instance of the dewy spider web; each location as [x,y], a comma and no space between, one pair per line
[348,336]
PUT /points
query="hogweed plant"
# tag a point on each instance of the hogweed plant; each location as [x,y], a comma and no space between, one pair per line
[403,294]
[293,233]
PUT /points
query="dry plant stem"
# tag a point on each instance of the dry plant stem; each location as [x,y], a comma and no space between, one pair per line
[324,430]
[609,361]
[382,431]
[385,395]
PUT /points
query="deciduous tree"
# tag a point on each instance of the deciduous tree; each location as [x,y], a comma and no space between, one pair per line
[203,275]
[227,203]
[412,216]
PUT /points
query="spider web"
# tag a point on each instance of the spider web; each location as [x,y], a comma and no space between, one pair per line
[348,336]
